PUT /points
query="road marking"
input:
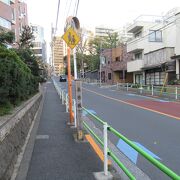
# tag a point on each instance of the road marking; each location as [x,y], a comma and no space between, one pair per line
[147,97]
[131,104]
[42,137]
[131,153]
[96,148]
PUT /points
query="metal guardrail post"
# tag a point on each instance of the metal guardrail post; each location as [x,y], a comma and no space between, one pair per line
[62,97]
[141,88]
[152,90]
[66,103]
[105,149]
[117,87]
[75,113]
[176,92]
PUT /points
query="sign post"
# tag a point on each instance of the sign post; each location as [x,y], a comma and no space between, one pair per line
[72,39]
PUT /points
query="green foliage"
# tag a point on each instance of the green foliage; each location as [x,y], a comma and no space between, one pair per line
[16,81]
[26,38]
[5,108]
[29,58]
[6,38]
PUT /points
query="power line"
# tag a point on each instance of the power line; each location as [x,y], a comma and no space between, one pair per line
[57,17]
[77,7]
[69,8]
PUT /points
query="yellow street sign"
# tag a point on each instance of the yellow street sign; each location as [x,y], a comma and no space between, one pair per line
[71,38]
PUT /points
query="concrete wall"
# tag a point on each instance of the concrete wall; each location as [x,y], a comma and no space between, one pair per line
[13,131]
[177,49]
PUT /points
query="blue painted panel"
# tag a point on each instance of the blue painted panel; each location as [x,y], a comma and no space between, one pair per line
[148,151]
[127,150]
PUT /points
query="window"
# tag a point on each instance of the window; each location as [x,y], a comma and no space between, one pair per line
[155,36]
[109,76]
[37,51]
[13,14]
[4,23]
[118,58]
[6,1]
[138,55]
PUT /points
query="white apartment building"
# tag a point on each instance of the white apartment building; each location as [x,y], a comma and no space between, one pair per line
[103,31]
[39,44]
[155,46]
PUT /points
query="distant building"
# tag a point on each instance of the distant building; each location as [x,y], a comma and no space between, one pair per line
[155,47]
[13,16]
[39,44]
[85,37]
[123,35]
[114,68]
[58,55]
[103,31]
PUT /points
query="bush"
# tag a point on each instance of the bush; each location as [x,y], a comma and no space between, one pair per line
[16,81]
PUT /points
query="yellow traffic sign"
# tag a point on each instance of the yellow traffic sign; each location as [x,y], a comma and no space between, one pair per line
[71,38]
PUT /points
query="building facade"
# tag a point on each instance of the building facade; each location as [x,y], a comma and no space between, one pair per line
[102,31]
[153,45]
[114,70]
[13,16]
[58,55]
[39,44]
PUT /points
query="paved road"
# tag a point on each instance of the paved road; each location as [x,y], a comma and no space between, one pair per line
[152,123]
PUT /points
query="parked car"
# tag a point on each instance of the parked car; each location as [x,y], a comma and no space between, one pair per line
[62,78]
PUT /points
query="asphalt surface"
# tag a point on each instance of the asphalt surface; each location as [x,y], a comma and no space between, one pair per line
[56,155]
[158,132]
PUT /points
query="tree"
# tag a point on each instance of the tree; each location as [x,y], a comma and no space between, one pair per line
[112,40]
[26,38]
[25,52]
[6,38]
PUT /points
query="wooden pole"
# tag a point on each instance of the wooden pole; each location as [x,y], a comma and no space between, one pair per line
[70,86]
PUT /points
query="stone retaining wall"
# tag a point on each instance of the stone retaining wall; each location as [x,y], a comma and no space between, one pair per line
[13,131]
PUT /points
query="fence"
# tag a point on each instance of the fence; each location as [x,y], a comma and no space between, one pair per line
[168,91]
[63,95]
[104,143]
[107,151]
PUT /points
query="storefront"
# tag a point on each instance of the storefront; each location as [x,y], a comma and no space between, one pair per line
[154,76]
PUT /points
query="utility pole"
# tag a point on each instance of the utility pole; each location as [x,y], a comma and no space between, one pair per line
[100,57]
[70,87]
[75,63]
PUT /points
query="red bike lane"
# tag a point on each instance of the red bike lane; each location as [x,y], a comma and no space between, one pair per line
[163,107]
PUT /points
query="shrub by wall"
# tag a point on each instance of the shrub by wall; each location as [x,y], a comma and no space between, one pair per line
[16,81]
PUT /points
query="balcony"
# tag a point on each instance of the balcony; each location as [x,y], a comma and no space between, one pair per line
[135,65]
[118,65]
[137,44]
[136,26]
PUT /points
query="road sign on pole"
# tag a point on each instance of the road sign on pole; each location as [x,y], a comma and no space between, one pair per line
[71,38]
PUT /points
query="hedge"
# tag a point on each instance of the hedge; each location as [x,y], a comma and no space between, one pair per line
[16,81]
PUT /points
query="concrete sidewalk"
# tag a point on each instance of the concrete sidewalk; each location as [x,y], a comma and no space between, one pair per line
[56,156]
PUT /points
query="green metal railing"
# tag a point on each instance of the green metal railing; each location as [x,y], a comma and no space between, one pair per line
[152,160]
[110,153]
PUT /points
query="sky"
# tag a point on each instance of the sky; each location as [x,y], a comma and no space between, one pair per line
[91,13]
